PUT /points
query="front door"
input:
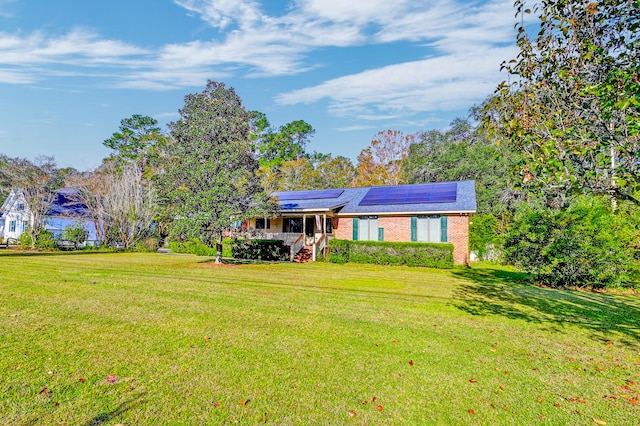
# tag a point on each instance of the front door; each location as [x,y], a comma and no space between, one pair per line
[309,226]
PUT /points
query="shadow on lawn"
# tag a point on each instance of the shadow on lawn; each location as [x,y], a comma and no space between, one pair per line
[504,293]
[108,416]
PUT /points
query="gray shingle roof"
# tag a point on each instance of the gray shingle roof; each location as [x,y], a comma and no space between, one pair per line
[348,203]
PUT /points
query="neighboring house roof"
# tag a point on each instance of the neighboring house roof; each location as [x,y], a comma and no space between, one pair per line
[433,198]
[66,203]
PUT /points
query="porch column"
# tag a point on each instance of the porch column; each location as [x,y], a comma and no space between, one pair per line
[304,228]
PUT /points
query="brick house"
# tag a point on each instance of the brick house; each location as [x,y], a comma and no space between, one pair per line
[436,212]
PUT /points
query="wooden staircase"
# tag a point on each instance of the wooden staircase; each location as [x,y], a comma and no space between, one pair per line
[304,255]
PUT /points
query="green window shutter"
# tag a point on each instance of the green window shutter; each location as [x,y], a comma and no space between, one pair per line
[414,228]
[355,228]
[380,234]
[443,226]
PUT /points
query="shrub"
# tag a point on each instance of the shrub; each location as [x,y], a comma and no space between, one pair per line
[586,244]
[26,241]
[76,234]
[259,249]
[484,237]
[45,240]
[434,255]
[198,248]
[194,246]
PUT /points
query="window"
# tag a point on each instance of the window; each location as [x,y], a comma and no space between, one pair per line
[12,226]
[329,229]
[365,228]
[260,223]
[24,226]
[429,229]
[21,207]
[292,225]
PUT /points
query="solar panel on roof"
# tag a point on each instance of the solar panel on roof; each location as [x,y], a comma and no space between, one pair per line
[310,195]
[411,194]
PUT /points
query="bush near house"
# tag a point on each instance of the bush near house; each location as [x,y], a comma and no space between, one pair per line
[259,249]
[433,255]
[199,248]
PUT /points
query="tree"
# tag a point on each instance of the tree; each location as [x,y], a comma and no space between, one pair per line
[37,181]
[285,144]
[319,172]
[381,162]
[210,176]
[574,107]
[137,134]
[130,205]
[334,172]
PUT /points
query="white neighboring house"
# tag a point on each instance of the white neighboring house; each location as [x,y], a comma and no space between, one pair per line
[15,216]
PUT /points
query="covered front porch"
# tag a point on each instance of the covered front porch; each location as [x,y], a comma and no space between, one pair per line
[308,231]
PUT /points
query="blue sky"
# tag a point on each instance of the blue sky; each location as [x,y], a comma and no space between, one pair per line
[71,70]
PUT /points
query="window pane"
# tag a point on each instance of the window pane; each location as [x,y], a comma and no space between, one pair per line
[423,229]
[434,230]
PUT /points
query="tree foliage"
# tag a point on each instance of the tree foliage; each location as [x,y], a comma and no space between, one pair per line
[381,162]
[584,244]
[136,135]
[210,177]
[573,108]
[276,146]
[317,172]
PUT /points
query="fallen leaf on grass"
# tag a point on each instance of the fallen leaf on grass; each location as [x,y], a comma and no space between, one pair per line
[206,338]
[410,362]
[473,380]
[82,380]
[244,401]
[634,401]
[45,391]
[111,379]
[373,399]
[609,343]
[351,413]
[470,411]
[599,422]
[379,407]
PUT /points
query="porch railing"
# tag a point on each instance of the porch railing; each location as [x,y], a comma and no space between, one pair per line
[296,246]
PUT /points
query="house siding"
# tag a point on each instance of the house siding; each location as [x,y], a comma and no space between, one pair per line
[398,229]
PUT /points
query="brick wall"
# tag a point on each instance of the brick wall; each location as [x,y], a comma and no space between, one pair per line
[458,235]
[398,229]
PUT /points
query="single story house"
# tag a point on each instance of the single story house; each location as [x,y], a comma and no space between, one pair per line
[64,211]
[434,212]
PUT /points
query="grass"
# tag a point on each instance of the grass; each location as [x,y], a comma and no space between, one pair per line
[114,338]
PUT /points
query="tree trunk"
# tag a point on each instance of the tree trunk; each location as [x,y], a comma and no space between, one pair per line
[219,250]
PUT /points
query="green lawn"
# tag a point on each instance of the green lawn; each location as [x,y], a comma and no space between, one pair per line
[99,338]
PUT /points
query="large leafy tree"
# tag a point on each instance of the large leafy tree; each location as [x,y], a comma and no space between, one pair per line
[210,178]
[275,146]
[381,162]
[573,106]
[135,135]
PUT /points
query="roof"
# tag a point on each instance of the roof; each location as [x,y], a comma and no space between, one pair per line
[384,200]
[66,203]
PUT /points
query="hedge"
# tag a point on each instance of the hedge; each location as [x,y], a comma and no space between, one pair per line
[198,248]
[259,249]
[432,255]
